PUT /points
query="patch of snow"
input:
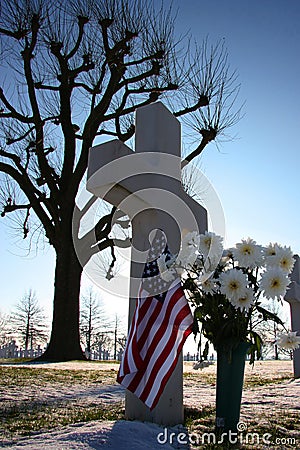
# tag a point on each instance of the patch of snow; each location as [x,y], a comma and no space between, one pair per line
[119,435]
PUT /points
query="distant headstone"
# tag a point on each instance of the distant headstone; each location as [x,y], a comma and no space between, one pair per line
[293,298]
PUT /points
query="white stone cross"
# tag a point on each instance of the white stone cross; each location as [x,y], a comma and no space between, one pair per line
[146,185]
[293,297]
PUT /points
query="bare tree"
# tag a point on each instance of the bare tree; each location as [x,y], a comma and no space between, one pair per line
[113,338]
[28,321]
[93,320]
[103,342]
[270,331]
[5,336]
[122,342]
[118,335]
[73,72]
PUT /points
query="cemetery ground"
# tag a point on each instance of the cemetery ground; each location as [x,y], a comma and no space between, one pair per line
[79,405]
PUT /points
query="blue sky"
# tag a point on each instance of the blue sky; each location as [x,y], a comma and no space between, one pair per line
[256,175]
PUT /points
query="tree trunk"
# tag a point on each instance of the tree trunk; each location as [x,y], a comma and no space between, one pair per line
[27,333]
[276,355]
[64,343]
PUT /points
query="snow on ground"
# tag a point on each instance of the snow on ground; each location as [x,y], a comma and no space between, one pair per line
[133,435]
[121,435]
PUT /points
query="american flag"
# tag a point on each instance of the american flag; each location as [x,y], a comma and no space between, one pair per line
[161,323]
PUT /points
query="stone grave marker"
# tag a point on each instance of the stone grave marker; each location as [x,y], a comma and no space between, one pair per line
[146,185]
[293,298]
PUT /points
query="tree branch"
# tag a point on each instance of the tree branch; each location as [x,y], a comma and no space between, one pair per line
[19,34]
[128,110]
[203,101]
[155,69]
[207,136]
[109,274]
[13,112]
[27,55]
[40,85]
[81,23]
[11,141]
[29,190]
[158,55]
[13,207]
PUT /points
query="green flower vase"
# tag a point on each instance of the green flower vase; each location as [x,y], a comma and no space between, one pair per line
[230,380]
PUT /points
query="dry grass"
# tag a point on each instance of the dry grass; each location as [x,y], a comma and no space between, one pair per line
[41,397]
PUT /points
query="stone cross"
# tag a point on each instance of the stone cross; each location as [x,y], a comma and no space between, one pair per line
[293,297]
[146,185]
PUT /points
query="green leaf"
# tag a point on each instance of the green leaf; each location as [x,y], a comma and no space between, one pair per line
[195,326]
[268,315]
[256,345]
[205,351]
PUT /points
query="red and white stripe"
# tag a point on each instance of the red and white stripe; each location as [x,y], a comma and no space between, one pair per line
[156,337]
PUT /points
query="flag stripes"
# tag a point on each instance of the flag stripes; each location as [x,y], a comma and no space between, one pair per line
[157,334]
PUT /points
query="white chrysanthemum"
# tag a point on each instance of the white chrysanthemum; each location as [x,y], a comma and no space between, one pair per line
[274,283]
[248,253]
[189,246]
[233,284]
[211,244]
[191,239]
[281,257]
[245,301]
[186,257]
[207,285]
[290,341]
[270,250]
[165,273]
[212,249]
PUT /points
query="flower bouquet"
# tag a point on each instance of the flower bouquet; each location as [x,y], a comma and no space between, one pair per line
[226,290]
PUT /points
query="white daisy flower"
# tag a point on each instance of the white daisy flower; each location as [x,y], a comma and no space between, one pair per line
[207,285]
[233,284]
[211,244]
[186,257]
[290,340]
[166,274]
[282,257]
[245,301]
[270,250]
[191,239]
[189,246]
[248,253]
[274,283]
[211,248]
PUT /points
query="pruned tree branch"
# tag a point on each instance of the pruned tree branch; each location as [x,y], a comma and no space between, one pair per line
[35,203]
[82,21]
[13,113]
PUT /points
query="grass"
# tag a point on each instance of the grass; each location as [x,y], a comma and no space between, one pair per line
[21,417]
[251,380]
[14,360]
[24,417]
[282,431]
[281,428]
[22,376]
[30,418]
